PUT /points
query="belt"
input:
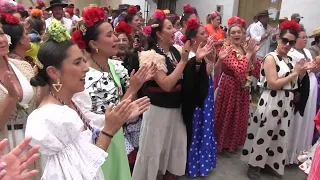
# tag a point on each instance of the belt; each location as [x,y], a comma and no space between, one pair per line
[15,127]
[158,89]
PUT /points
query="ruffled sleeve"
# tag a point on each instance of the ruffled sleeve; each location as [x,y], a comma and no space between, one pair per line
[66,148]
[239,67]
[83,99]
[148,57]
[122,73]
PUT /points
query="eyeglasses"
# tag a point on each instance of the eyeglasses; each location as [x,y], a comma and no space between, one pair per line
[286,41]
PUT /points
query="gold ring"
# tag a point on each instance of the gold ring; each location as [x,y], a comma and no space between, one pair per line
[186,50]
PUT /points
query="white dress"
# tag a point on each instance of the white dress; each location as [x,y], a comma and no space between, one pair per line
[15,136]
[67,151]
[302,125]
[267,134]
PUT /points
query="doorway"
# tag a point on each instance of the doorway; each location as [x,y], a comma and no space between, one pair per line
[247,9]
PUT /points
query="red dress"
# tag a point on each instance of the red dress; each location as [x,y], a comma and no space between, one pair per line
[314,173]
[232,102]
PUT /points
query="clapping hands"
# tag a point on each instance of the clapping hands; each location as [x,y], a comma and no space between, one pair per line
[144,74]
[13,165]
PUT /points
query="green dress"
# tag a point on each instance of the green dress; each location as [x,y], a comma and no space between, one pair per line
[103,91]
[116,166]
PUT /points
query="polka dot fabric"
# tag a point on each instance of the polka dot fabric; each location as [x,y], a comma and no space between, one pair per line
[232,103]
[266,142]
[202,154]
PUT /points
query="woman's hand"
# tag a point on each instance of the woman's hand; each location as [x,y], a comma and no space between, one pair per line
[185,51]
[137,79]
[251,46]
[139,106]
[225,52]
[204,49]
[11,87]
[116,116]
[15,164]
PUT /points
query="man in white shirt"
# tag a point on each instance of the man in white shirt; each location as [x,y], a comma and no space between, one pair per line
[56,6]
[255,20]
[262,33]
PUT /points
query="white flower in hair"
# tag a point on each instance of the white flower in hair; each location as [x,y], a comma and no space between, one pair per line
[9,39]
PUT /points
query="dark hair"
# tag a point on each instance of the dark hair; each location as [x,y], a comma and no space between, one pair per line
[191,33]
[138,7]
[92,33]
[36,24]
[185,17]
[291,31]
[24,14]
[153,38]
[317,39]
[15,31]
[48,56]
[129,17]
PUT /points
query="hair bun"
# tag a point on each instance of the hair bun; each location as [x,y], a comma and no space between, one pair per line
[38,81]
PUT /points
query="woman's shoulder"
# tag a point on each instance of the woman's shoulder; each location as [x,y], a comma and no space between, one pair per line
[151,56]
[24,67]
[53,117]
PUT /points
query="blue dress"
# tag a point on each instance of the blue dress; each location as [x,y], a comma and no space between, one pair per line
[202,154]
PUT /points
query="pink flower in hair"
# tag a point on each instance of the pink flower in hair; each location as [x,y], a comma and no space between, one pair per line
[7,6]
[20,7]
[159,14]
[147,30]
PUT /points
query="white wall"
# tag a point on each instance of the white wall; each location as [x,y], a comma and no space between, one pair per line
[230,8]
[309,9]
[151,4]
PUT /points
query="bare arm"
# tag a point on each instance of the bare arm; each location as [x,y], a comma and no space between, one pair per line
[274,81]
[7,106]
[168,82]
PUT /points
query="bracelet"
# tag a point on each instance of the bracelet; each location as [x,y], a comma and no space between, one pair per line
[107,134]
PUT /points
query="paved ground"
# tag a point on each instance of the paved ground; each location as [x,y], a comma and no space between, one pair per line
[231,168]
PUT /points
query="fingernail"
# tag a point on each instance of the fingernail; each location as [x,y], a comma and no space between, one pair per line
[3,165]
[3,172]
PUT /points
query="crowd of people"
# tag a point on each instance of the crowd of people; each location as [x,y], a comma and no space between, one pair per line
[98,94]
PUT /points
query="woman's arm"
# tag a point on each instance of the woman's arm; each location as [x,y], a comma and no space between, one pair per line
[7,105]
[168,82]
[275,82]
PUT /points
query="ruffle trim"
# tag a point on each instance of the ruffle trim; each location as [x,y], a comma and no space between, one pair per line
[148,57]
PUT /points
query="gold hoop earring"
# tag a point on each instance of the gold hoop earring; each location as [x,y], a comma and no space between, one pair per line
[57,87]
[97,50]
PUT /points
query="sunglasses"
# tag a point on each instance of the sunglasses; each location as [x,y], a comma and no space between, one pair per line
[286,41]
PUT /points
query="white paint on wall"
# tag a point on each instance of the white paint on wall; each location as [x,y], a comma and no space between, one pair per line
[229,8]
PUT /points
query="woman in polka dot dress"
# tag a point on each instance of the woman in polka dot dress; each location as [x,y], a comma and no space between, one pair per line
[232,99]
[265,146]
[198,111]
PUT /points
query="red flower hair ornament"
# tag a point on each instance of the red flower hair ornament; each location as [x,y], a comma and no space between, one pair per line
[159,15]
[92,15]
[10,19]
[123,27]
[184,39]
[77,38]
[235,20]
[132,10]
[290,25]
[69,11]
[192,24]
[187,8]
[147,30]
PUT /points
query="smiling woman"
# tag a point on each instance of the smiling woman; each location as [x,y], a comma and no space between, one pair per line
[72,146]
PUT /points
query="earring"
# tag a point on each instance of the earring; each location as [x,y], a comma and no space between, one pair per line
[97,50]
[57,86]
[21,42]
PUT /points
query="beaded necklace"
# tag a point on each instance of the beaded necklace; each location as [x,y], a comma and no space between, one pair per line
[95,132]
[173,60]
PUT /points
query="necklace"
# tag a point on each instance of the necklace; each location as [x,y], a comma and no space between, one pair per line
[95,132]
[173,61]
